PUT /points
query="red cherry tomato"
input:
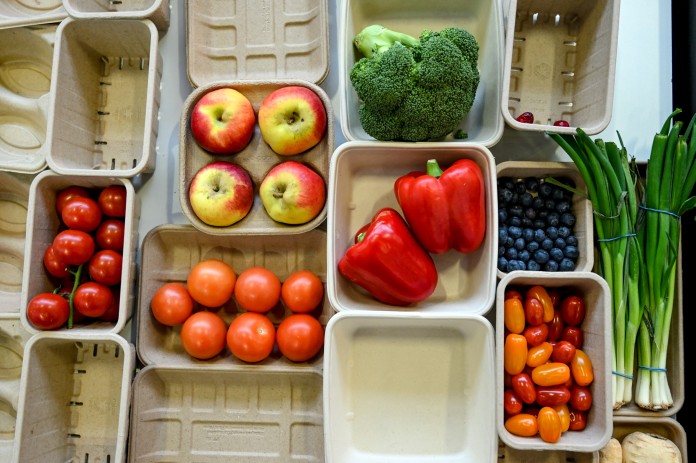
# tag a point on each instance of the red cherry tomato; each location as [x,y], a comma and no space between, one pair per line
[561,123]
[524,388]
[551,396]
[522,424]
[113,200]
[257,289]
[251,337]
[211,282]
[70,192]
[92,299]
[551,374]
[563,352]
[580,398]
[513,294]
[81,213]
[203,335]
[538,355]
[111,234]
[535,335]
[105,267]
[556,326]
[573,310]
[74,247]
[114,310]
[526,118]
[578,419]
[302,291]
[513,314]
[581,368]
[515,353]
[53,264]
[533,311]
[549,425]
[574,335]
[300,337]
[555,296]
[48,311]
[171,304]
[511,402]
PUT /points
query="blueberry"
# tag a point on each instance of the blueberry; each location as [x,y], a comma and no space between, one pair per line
[515,198]
[539,223]
[532,246]
[541,256]
[558,193]
[516,211]
[514,221]
[523,255]
[567,219]
[556,254]
[539,235]
[509,241]
[502,215]
[562,207]
[525,222]
[547,244]
[533,265]
[532,183]
[520,187]
[502,264]
[516,265]
[514,232]
[511,253]
[530,213]
[572,240]
[501,250]
[508,183]
[504,196]
[571,252]
[563,231]
[528,234]
[545,190]
[551,266]
[550,204]
[502,232]
[552,232]
[559,243]
[552,219]
[566,265]
[542,214]
[520,243]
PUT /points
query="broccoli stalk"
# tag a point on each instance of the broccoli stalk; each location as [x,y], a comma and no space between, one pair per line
[378,39]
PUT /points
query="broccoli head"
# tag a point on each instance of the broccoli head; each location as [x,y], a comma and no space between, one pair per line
[415,91]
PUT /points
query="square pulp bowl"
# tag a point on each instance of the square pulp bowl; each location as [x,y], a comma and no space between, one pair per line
[156,11]
[15,13]
[232,415]
[581,206]
[362,176]
[14,199]
[26,60]
[74,398]
[105,93]
[560,62]
[596,329]
[227,39]
[257,159]
[666,427]
[482,18]
[44,222]
[409,387]
[170,251]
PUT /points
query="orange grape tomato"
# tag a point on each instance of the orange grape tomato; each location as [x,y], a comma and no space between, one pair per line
[515,353]
[514,315]
[564,415]
[539,292]
[533,311]
[524,387]
[581,367]
[551,374]
[549,424]
[522,424]
[538,355]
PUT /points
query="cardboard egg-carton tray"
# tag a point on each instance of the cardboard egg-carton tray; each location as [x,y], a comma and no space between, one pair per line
[560,62]
[26,61]
[15,13]
[228,39]
[156,11]
[105,96]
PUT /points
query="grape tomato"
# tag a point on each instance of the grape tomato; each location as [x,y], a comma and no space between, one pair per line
[514,315]
[515,353]
[549,424]
[573,310]
[551,374]
[522,424]
[524,387]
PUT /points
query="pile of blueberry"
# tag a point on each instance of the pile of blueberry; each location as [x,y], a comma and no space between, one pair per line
[536,225]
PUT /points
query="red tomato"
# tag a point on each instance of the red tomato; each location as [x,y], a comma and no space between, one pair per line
[555,296]
[92,299]
[551,374]
[203,335]
[522,424]
[105,267]
[211,282]
[513,294]
[251,337]
[580,398]
[549,425]
[171,304]
[511,402]
[81,213]
[257,290]
[114,310]
[581,368]
[524,388]
[300,337]
[515,353]
[539,292]
[48,311]
[533,311]
[578,419]
[70,192]
[573,310]
[551,396]
[53,264]
[111,234]
[514,315]
[573,335]
[563,352]
[536,334]
[74,247]
[539,355]
[556,326]
[112,200]
[302,291]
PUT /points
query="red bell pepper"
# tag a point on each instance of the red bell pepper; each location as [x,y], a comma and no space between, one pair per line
[446,210]
[388,262]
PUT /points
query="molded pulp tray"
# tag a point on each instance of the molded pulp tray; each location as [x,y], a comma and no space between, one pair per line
[15,13]
[239,415]
[510,455]
[596,329]
[105,95]
[14,198]
[257,158]
[582,206]
[662,426]
[228,39]
[170,251]
[560,60]
[43,223]
[483,18]
[156,11]
[409,387]
[362,176]
[74,398]
[26,60]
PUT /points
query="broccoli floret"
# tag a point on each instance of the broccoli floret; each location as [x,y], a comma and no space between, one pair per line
[376,39]
[415,91]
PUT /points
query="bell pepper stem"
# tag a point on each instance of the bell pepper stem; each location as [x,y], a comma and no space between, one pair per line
[433,168]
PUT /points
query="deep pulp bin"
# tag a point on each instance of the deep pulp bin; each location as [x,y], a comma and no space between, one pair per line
[105,96]
[43,223]
[228,39]
[74,398]
[241,415]
[14,200]
[156,11]
[409,387]
[15,13]
[361,181]
[596,328]
[560,61]
[666,427]
[26,59]
[170,251]
[581,207]
[483,18]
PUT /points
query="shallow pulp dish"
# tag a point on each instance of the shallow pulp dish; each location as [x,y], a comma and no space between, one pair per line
[362,176]
[560,61]
[15,13]
[156,11]
[483,18]
[14,198]
[666,427]
[597,331]
[257,158]
[409,387]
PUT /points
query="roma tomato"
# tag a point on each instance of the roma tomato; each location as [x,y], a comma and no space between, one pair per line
[203,335]
[300,337]
[48,311]
[171,304]
[513,314]
[81,213]
[578,419]
[549,425]
[573,310]
[105,267]
[556,326]
[515,353]
[522,424]
[302,291]
[524,388]
[551,374]
[551,396]
[533,311]
[111,234]
[511,402]
[251,337]
[211,282]
[53,264]
[580,398]
[539,355]
[535,335]
[92,299]
[574,335]
[70,192]
[74,247]
[563,352]
[581,367]
[539,292]
[112,201]
[257,289]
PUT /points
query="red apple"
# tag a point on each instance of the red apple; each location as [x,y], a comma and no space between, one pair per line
[222,121]
[221,193]
[292,193]
[292,119]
